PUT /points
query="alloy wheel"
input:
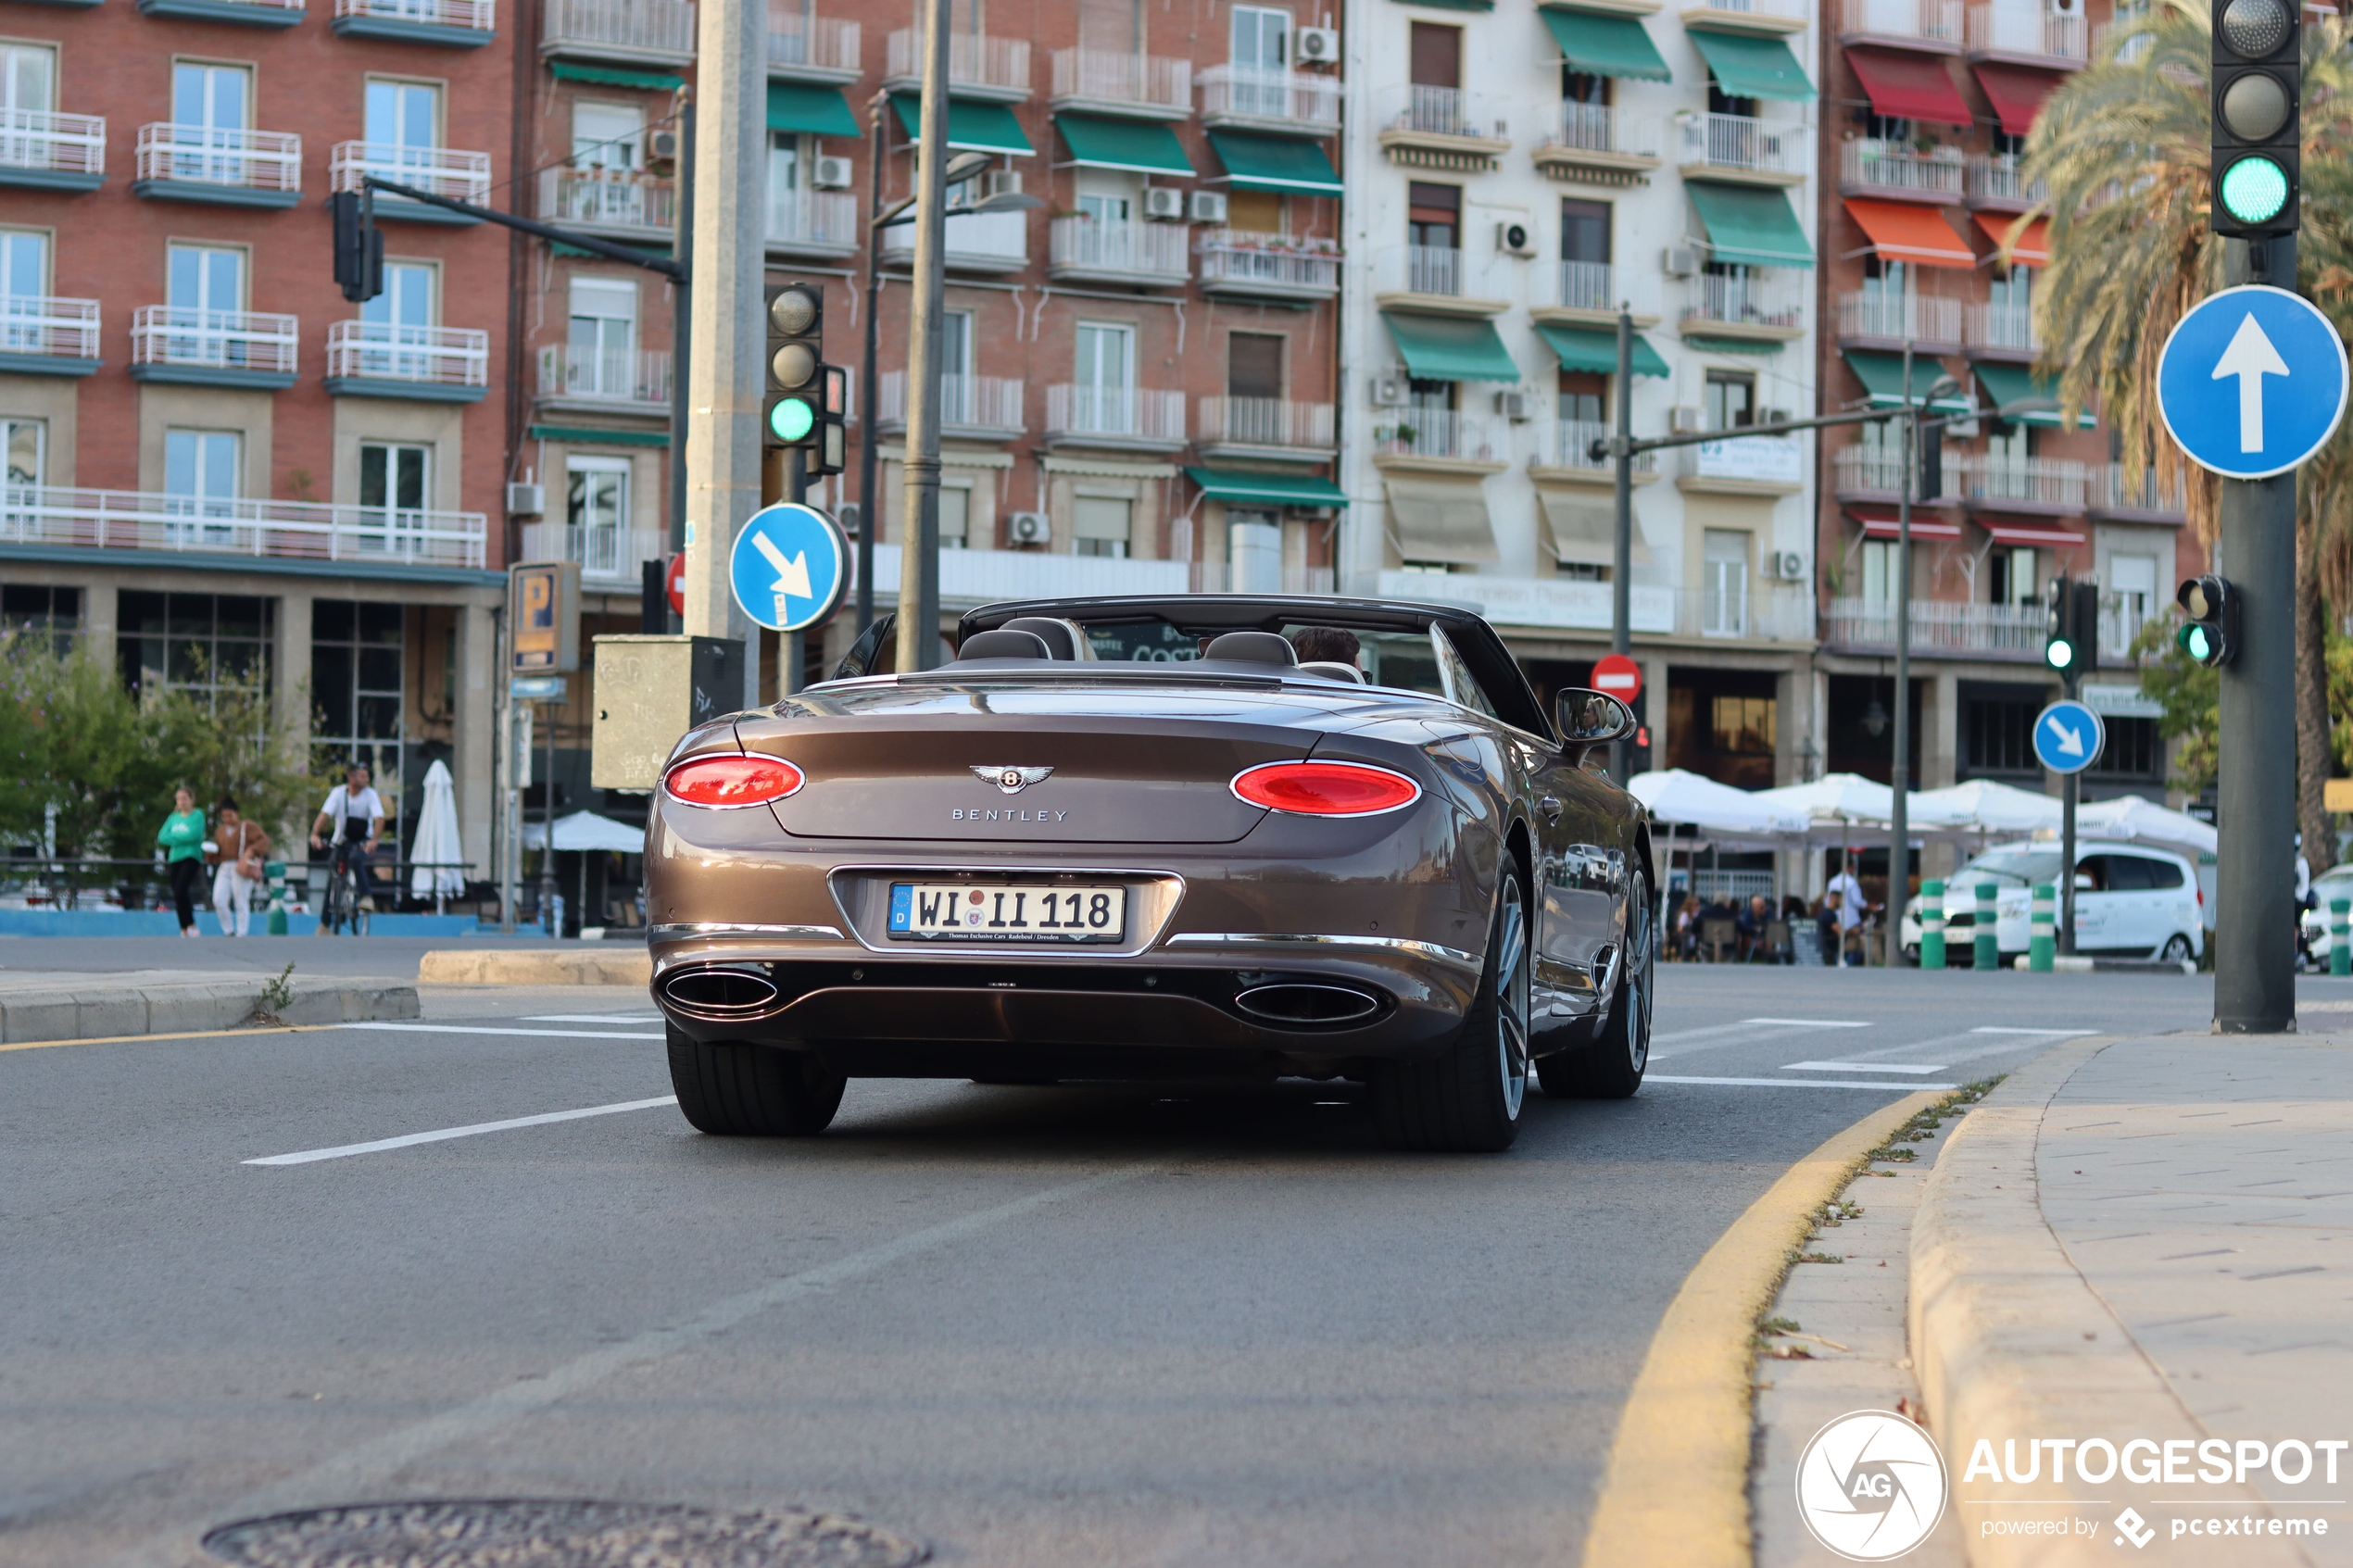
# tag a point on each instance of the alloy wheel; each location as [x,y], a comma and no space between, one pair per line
[1511,996]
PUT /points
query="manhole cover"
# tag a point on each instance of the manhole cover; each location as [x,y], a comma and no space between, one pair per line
[528,1534]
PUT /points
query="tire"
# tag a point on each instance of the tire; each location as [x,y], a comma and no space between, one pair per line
[1612,1067]
[2176,950]
[1468,1101]
[745,1091]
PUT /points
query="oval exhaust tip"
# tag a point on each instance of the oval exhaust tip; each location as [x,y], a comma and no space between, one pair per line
[722,991]
[1308,1006]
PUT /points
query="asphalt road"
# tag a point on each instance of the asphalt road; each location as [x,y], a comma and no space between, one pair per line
[1032,1326]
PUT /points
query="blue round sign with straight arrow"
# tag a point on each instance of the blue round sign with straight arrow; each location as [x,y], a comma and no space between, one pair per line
[2069,736]
[2252,381]
[790,567]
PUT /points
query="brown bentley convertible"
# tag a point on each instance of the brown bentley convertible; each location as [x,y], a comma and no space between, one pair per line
[1141,838]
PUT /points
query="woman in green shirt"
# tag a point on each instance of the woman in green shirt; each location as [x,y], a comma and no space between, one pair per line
[181,839]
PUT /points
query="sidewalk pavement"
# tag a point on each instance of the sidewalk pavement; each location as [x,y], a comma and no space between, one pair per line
[2146,1245]
[38,1007]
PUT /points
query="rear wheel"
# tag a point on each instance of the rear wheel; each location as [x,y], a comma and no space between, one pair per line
[738,1090]
[1468,1101]
[1612,1067]
[2177,948]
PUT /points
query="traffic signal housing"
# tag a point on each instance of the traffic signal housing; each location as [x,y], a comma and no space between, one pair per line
[2257,97]
[360,247]
[2071,641]
[792,413]
[2211,635]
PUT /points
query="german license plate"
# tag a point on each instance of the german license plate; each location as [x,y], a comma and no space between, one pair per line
[1003,911]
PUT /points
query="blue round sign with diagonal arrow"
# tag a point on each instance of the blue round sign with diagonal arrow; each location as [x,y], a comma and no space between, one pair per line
[2069,736]
[790,567]
[2251,382]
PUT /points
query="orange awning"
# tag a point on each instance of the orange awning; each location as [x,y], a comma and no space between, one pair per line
[1882,522]
[2033,247]
[1902,232]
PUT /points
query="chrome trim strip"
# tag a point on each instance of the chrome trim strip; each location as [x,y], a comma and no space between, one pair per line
[1288,939]
[722,928]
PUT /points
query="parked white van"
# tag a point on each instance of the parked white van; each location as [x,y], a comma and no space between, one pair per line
[2131,901]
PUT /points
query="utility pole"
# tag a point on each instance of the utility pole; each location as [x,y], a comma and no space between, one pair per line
[869,400]
[1621,570]
[1899,772]
[919,525]
[682,330]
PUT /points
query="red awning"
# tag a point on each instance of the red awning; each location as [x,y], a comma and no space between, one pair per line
[2033,247]
[1900,232]
[1910,86]
[2018,94]
[1880,522]
[2023,532]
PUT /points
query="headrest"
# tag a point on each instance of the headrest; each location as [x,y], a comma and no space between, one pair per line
[1056,634]
[1004,643]
[1252,647]
[1331,669]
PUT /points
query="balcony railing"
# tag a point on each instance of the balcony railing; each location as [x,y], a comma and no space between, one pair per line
[1865,469]
[2039,482]
[2112,492]
[1587,285]
[1765,299]
[1929,21]
[53,144]
[205,155]
[1093,245]
[1265,422]
[2000,177]
[966,402]
[1127,413]
[615,201]
[1444,111]
[124,519]
[973,60]
[1738,142]
[433,356]
[1939,626]
[1290,97]
[631,379]
[1569,444]
[2006,327]
[221,340]
[1870,164]
[600,552]
[2130,46]
[823,218]
[1921,318]
[440,170]
[57,328]
[1776,612]
[826,45]
[2027,30]
[976,241]
[1243,259]
[1105,76]
[1441,432]
[474,16]
[661,30]
[1597,128]
[1779,10]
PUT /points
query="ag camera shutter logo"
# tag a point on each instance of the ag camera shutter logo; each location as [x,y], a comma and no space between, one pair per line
[1871,1486]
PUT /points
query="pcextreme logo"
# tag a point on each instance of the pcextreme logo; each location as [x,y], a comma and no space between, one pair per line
[1871,1486]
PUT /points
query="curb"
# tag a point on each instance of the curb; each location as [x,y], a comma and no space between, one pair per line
[89,1012]
[1676,1492]
[525,966]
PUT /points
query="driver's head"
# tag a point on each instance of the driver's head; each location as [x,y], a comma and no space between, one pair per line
[1325,644]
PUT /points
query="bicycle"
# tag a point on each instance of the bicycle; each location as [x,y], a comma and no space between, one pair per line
[342,904]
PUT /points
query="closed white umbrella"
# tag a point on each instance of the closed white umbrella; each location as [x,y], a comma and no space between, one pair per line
[436,845]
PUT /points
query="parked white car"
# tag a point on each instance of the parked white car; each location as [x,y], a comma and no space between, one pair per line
[2131,901]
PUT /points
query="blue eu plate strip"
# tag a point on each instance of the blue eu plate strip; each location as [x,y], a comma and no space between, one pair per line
[902,897]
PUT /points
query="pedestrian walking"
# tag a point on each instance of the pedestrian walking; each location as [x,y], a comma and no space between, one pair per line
[240,849]
[181,840]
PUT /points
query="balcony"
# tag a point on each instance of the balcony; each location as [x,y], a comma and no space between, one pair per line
[1936,26]
[1240,264]
[237,13]
[1756,306]
[2035,484]
[1296,103]
[2116,498]
[453,24]
[125,520]
[977,242]
[1743,151]
[814,223]
[1871,167]
[2003,331]
[1135,254]
[1568,454]
[1748,610]
[51,152]
[1434,279]
[1871,320]
[1132,86]
[1587,294]
[1540,603]
[975,407]
[1441,440]
[1752,465]
[240,348]
[202,163]
[45,336]
[619,203]
[971,578]
[613,381]
[1771,17]
[1596,144]
[1863,473]
[1998,182]
[2027,35]
[439,170]
[1939,628]
[1270,428]
[1123,416]
[1443,128]
[415,364]
[813,48]
[659,33]
[978,66]
[603,553]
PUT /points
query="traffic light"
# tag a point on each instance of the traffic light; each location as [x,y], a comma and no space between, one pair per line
[2257,94]
[2211,635]
[793,412]
[833,437]
[2072,639]
[360,247]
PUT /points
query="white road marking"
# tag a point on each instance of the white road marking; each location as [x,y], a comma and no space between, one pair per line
[488,1029]
[1809,1023]
[1793,1083]
[407,1140]
[1747,1026]
[1998,1029]
[1858,1067]
[594,1017]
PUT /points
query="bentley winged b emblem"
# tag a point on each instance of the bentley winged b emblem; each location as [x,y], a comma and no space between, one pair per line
[1011,781]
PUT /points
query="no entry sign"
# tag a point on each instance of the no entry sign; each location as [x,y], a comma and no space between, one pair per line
[674,583]
[1619,676]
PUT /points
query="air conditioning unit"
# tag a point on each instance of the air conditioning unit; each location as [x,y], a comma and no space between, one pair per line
[1165,202]
[1390,392]
[1028,528]
[1001,182]
[1512,403]
[1317,45]
[1775,417]
[2066,7]
[661,153]
[1786,566]
[1515,239]
[1680,261]
[1207,207]
[848,515]
[526,500]
[1685,420]
[833,174]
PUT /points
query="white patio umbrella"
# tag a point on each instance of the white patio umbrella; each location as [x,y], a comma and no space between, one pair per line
[2145,822]
[586,829]
[1985,807]
[436,841]
[1716,811]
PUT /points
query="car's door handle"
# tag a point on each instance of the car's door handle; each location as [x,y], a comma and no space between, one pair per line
[1550,806]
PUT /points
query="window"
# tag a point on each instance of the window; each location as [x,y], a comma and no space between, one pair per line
[610,136]
[24,280]
[396,484]
[602,350]
[33,609]
[27,449]
[1105,377]
[200,481]
[1882,560]
[2014,287]
[1465,688]
[213,98]
[204,278]
[595,511]
[1102,523]
[1434,215]
[789,169]
[1724,580]
[2132,580]
[1742,724]
[357,665]
[1887,280]
[1107,198]
[1437,58]
[956,402]
[2012,578]
[2135,748]
[1578,87]
[28,78]
[1260,39]
[1254,212]
[405,115]
[1585,231]
[398,322]
[2007,445]
[1431,397]
[1998,734]
[1721,102]
[1732,400]
[1887,127]
[955,517]
[192,642]
[1585,396]
[1254,364]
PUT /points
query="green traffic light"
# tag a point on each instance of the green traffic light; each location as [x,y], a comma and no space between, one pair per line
[2195,641]
[2060,653]
[2254,190]
[791,419]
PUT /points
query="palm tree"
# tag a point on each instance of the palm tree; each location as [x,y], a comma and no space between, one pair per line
[2123,148]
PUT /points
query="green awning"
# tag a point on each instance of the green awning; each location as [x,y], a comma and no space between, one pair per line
[1607,46]
[1750,224]
[973,126]
[819,111]
[613,76]
[1139,146]
[1758,346]
[1595,349]
[1747,66]
[1267,489]
[1882,377]
[1281,164]
[1451,348]
[2014,383]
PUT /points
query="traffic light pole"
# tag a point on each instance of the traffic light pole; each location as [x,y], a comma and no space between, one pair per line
[919,521]
[2070,795]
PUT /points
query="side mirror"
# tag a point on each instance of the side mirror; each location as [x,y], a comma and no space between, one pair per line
[1590,718]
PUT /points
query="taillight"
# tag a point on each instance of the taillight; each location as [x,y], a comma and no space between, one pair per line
[727,781]
[1326,789]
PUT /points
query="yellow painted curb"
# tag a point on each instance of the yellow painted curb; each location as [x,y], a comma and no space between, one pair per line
[528,966]
[183,1035]
[1676,1493]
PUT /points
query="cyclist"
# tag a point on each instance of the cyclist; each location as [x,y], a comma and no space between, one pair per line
[351,820]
